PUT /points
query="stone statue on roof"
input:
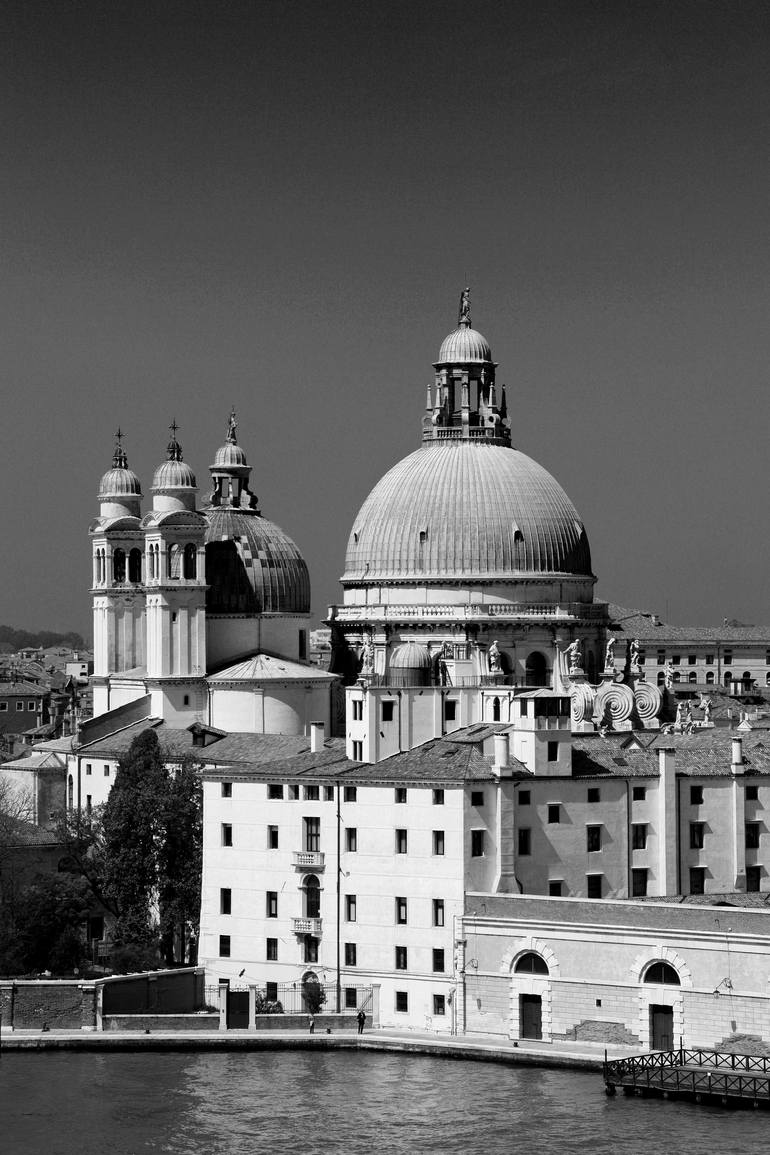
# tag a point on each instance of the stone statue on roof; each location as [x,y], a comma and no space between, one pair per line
[609,655]
[668,675]
[633,654]
[495,661]
[232,425]
[367,657]
[574,655]
[465,307]
[705,705]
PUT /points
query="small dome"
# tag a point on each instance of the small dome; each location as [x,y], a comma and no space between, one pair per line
[252,566]
[174,475]
[410,655]
[464,345]
[119,482]
[410,665]
[228,456]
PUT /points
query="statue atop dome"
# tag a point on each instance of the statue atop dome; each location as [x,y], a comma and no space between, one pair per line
[464,315]
[232,425]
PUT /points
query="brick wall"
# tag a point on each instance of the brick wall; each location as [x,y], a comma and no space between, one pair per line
[59,1005]
[153,1023]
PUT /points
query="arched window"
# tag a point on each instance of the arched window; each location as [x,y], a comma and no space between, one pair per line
[747,680]
[312,888]
[190,561]
[661,972]
[135,566]
[677,676]
[119,565]
[531,964]
[692,676]
[710,678]
[728,678]
[496,708]
[536,670]
[175,561]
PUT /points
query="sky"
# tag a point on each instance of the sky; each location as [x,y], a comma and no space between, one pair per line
[274,206]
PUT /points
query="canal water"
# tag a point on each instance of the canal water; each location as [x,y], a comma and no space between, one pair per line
[357,1103]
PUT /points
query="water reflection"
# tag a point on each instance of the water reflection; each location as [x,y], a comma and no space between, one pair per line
[305,1101]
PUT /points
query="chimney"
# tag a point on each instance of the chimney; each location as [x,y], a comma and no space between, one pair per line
[502,753]
[316,737]
[737,756]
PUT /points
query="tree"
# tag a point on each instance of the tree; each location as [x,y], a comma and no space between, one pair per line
[180,861]
[133,828]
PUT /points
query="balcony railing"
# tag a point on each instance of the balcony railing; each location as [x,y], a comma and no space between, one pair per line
[307,925]
[566,610]
[309,859]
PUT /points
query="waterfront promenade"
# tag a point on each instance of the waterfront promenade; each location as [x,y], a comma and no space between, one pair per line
[484,1048]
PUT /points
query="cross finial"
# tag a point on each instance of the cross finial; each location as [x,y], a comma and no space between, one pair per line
[173,427]
[119,459]
[174,448]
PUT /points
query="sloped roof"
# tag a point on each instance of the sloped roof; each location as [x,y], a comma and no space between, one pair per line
[266,667]
[639,624]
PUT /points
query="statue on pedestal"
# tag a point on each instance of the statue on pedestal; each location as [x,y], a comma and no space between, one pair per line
[367,657]
[574,655]
[668,675]
[495,661]
[609,655]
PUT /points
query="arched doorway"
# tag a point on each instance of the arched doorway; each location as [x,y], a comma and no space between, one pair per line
[536,669]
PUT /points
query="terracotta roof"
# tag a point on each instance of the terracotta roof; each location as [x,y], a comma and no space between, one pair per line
[704,752]
[639,624]
[23,689]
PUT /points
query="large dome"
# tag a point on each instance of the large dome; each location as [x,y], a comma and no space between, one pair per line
[464,346]
[468,510]
[252,566]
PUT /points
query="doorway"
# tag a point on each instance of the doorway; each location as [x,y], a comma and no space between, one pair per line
[661,1028]
[530,1017]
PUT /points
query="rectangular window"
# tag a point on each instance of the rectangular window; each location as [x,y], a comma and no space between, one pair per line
[358,751]
[88,804]
[477,797]
[358,710]
[638,793]
[438,960]
[272,838]
[696,835]
[351,1001]
[438,841]
[402,1002]
[3,707]
[752,793]
[697,879]
[227,834]
[439,1005]
[311,794]
[675,659]
[638,883]
[224,946]
[477,844]
[752,836]
[351,840]
[401,842]
[106,771]
[400,795]
[350,954]
[271,992]
[350,794]
[350,908]
[225,900]
[525,797]
[554,812]
[311,949]
[227,789]
[271,903]
[709,659]
[661,657]
[400,958]
[302,645]
[639,836]
[271,950]
[274,790]
[593,838]
[88,767]
[328,793]
[19,706]
[313,835]
[525,840]
[594,885]
[728,658]
[387,711]
[593,794]
[450,710]
[438,797]
[554,888]
[401,911]
[696,795]
[438,912]
[293,793]
[691,659]
[753,875]
[553,751]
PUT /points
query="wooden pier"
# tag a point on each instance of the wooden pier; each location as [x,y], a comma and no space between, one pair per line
[704,1076]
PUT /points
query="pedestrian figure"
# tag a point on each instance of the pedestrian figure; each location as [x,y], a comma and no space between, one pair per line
[361,1016]
[312,1024]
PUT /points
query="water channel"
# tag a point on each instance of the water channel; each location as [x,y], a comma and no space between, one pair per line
[360,1104]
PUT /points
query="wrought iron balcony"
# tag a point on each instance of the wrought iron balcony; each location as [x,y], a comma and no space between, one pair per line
[307,925]
[308,859]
